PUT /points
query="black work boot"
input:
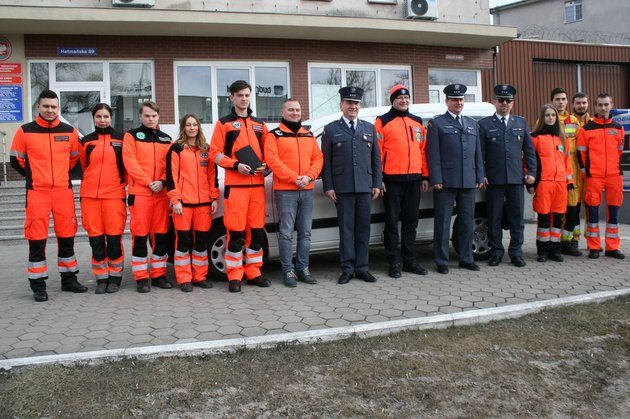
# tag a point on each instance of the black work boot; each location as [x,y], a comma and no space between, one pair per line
[113,284]
[101,286]
[39,290]
[542,250]
[554,252]
[570,248]
[70,284]
[161,282]
[142,285]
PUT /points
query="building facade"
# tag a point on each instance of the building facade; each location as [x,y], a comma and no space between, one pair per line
[184,55]
[587,21]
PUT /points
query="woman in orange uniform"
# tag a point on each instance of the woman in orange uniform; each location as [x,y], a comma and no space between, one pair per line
[553,181]
[191,182]
[103,210]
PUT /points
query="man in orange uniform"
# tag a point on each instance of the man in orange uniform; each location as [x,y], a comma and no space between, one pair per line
[244,210]
[402,140]
[600,144]
[144,156]
[580,108]
[44,152]
[570,124]
[292,154]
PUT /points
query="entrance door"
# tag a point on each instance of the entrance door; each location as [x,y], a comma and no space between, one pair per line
[76,107]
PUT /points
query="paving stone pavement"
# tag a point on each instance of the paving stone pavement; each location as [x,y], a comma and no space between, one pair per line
[87,322]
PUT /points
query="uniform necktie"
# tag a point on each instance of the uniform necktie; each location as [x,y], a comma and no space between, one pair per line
[352,126]
[503,121]
[459,121]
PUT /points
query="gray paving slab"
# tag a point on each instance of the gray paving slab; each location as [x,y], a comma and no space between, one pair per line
[88,322]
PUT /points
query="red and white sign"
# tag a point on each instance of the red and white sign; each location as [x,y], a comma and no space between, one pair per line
[10,69]
[5,48]
[10,80]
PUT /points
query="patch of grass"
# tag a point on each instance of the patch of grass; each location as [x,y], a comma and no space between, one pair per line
[564,362]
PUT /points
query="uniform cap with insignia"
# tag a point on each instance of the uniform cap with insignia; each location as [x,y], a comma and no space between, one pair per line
[504,91]
[455,91]
[396,91]
[351,93]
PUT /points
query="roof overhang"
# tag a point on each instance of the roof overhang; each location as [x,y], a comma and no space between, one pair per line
[143,22]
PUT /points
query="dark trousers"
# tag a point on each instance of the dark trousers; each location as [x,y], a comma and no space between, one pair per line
[402,202]
[505,203]
[353,211]
[444,200]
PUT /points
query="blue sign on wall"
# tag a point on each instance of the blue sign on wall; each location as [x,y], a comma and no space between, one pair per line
[11,104]
[76,52]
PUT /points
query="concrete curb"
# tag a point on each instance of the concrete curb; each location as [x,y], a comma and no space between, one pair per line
[320,335]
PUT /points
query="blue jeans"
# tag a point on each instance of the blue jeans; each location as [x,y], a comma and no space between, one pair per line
[295,212]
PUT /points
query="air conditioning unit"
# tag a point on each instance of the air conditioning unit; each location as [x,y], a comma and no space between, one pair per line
[133,3]
[421,9]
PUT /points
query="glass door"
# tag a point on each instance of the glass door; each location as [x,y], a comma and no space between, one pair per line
[76,107]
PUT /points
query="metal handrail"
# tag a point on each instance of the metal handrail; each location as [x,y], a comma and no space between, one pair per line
[4,155]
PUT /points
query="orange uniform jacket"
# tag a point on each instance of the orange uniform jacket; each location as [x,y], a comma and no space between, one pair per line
[289,155]
[231,133]
[191,177]
[144,155]
[600,144]
[402,139]
[553,160]
[102,162]
[44,153]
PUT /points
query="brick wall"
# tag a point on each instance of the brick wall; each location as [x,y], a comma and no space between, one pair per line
[164,50]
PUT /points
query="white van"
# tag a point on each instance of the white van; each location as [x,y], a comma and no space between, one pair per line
[325,232]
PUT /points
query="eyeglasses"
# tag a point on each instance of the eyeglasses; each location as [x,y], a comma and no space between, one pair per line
[502,100]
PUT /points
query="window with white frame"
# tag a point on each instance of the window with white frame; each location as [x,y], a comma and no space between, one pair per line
[202,88]
[124,85]
[439,78]
[572,11]
[326,79]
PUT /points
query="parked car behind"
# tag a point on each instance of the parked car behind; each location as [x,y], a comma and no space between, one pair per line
[622,116]
[325,232]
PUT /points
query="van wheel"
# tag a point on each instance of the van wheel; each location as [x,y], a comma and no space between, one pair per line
[480,246]
[217,244]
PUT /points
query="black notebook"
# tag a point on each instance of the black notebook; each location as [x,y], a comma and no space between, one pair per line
[246,155]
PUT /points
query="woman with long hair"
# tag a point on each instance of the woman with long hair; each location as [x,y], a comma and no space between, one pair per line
[553,181]
[191,182]
[103,210]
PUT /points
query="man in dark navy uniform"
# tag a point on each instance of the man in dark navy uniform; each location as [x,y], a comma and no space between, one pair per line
[351,176]
[455,171]
[507,152]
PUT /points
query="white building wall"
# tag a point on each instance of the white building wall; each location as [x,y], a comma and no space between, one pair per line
[456,11]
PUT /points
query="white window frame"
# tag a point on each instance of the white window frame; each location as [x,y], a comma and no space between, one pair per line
[345,67]
[103,86]
[573,4]
[227,65]
[474,90]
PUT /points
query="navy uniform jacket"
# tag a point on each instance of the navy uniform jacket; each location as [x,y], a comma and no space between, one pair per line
[505,149]
[351,163]
[454,153]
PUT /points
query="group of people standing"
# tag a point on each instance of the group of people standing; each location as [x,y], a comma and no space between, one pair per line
[565,160]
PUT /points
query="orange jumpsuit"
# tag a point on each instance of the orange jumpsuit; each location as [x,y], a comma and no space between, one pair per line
[554,174]
[600,144]
[244,205]
[192,181]
[571,230]
[103,209]
[44,153]
[144,156]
